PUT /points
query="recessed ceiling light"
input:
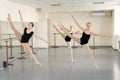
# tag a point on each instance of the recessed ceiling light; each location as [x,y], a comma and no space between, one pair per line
[98,2]
[56,4]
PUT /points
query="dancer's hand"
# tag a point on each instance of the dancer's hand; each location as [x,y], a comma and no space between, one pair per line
[9,17]
[47,42]
[72,16]
[19,11]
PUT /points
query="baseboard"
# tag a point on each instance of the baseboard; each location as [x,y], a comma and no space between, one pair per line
[56,46]
[81,46]
[20,46]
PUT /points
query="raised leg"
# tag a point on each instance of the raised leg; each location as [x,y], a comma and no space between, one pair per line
[17,33]
[91,56]
[29,50]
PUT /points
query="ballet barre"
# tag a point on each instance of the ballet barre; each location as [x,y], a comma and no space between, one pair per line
[93,42]
[10,46]
[11,57]
[55,46]
[55,40]
[7,61]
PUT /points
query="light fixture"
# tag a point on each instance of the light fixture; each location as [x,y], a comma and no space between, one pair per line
[98,2]
[56,4]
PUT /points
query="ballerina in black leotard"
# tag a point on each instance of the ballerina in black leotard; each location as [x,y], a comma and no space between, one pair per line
[86,33]
[24,39]
[66,37]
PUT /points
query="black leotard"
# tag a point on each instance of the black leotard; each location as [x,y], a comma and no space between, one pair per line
[67,38]
[85,38]
[26,36]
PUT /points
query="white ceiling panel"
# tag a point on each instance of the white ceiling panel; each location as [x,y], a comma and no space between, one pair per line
[47,3]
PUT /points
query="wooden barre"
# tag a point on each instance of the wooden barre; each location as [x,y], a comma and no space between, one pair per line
[93,41]
[9,39]
[7,34]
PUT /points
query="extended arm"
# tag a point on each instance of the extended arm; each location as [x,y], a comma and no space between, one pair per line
[100,35]
[40,38]
[63,26]
[78,32]
[75,32]
[77,23]
[22,22]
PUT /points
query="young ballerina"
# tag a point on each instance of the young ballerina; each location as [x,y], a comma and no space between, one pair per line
[86,33]
[67,38]
[24,39]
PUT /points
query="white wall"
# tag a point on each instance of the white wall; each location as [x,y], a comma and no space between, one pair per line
[5,30]
[116,20]
[28,13]
[116,25]
[6,7]
[41,30]
[101,25]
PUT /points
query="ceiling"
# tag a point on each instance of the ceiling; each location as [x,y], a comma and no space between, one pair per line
[48,3]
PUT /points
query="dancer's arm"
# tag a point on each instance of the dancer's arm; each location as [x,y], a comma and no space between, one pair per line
[22,22]
[81,28]
[57,28]
[40,38]
[75,32]
[100,35]
[78,32]
[63,26]
[62,29]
